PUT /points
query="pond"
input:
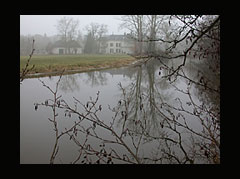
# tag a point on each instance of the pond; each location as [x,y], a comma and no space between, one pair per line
[140,116]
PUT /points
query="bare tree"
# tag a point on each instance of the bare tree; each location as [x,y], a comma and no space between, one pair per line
[96,32]
[89,114]
[137,113]
[194,31]
[103,29]
[93,29]
[135,23]
[170,129]
[67,28]
[190,31]
[153,25]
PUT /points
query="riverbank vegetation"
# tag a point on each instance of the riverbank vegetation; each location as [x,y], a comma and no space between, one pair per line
[83,62]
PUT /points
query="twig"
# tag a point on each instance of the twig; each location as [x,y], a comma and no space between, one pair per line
[26,70]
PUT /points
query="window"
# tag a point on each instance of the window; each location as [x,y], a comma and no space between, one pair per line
[111,50]
[118,44]
[111,44]
[118,50]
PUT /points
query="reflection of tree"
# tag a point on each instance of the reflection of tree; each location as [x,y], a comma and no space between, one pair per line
[69,83]
[142,96]
[151,75]
[96,78]
[201,104]
[185,128]
[200,95]
[209,99]
[179,129]
[208,75]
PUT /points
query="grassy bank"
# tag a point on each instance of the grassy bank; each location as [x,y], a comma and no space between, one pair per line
[55,63]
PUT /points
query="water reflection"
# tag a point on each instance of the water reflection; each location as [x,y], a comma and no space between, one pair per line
[158,105]
[164,118]
[209,71]
[69,83]
[143,93]
[96,78]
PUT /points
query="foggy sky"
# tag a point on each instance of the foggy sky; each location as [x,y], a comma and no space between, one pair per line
[40,24]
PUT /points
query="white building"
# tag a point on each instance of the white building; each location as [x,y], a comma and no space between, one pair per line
[73,47]
[117,44]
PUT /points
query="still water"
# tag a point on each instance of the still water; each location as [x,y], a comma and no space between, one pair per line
[152,100]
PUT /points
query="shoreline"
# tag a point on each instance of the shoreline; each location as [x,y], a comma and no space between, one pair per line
[66,72]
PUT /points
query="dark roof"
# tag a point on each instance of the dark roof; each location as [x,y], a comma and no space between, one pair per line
[71,44]
[116,37]
[74,43]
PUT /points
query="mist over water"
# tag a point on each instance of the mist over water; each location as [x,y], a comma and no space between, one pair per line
[36,132]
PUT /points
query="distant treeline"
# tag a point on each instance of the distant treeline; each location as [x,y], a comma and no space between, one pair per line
[42,43]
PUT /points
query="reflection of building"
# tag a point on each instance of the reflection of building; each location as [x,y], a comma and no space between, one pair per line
[117,44]
[71,47]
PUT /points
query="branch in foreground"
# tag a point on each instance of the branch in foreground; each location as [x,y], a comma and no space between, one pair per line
[26,69]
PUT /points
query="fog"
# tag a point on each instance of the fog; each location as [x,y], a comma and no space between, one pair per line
[46,24]
[161,107]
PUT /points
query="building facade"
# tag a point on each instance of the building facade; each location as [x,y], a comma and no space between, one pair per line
[72,47]
[117,44]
